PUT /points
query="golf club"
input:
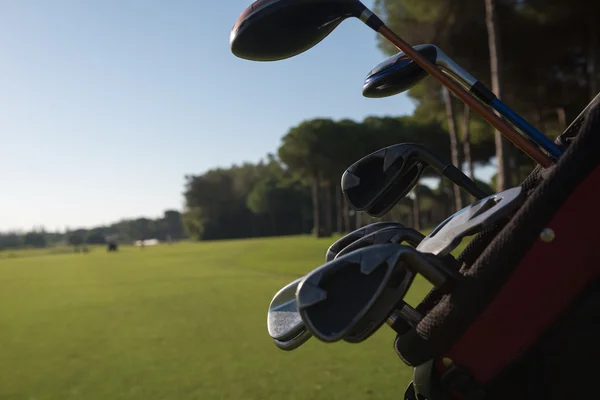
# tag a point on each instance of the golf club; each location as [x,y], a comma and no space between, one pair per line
[283,321]
[376,182]
[271,30]
[402,319]
[353,236]
[393,234]
[351,296]
[399,73]
[470,220]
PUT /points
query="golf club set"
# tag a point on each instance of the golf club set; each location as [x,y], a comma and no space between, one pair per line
[368,272]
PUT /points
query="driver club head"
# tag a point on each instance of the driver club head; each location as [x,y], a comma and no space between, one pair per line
[470,220]
[271,30]
[350,297]
[392,234]
[396,74]
[283,320]
[399,73]
[357,234]
[376,182]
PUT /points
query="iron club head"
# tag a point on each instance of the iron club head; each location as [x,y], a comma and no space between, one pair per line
[359,233]
[470,220]
[283,320]
[376,182]
[393,234]
[351,296]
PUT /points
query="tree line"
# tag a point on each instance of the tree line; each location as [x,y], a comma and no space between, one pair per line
[538,56]
[298,189]
[168,227]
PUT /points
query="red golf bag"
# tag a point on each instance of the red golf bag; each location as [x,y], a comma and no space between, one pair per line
[526,321]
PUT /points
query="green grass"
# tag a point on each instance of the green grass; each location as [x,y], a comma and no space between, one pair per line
[185,321]
[18,253]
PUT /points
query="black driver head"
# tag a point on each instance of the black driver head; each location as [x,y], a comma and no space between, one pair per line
[270,30]
[397,74]
[393,234]
[359,233]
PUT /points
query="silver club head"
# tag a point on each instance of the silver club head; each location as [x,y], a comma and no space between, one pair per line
[283,320]
[356,235]
[470,220]
[393,234]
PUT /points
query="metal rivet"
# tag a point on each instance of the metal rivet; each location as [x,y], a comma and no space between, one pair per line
[447,362]
[547,235]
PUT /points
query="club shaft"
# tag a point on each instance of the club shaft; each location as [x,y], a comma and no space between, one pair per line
[460,179]
[453,173]
[521,142]
[411,315]
[480,91]
[527,128]
[406,313]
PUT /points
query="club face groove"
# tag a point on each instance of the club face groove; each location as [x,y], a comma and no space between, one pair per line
[284,323]
[354,284]
[386,235]
[357,234]
[271,30]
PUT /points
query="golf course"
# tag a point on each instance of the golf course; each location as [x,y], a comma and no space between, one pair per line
[180,321]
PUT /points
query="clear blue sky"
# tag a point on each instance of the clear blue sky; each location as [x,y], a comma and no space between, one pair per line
[106,105]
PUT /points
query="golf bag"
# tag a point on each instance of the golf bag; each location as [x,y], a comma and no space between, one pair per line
[526,321]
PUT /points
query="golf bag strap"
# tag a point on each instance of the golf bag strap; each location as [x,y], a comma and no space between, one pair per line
[548,279]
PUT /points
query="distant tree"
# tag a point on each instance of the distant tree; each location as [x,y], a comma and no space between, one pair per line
[76,239]
[302,152]
[10,240]
[34,239]
[193,222]
[173,224]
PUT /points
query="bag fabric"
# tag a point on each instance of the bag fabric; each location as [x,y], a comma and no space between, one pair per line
[497,258]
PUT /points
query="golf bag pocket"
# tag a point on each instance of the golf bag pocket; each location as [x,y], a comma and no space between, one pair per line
[520,277]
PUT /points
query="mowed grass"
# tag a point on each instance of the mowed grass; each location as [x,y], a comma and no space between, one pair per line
[185,321]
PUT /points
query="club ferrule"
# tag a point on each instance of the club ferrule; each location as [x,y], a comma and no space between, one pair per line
[483,93]
[371,20]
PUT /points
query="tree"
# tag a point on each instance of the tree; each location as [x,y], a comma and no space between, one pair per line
[173,224]
[193,222]
[302,153]
[34,239]
[496,77]
[454,143]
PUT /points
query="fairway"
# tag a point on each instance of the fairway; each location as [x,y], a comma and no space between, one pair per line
[185,321]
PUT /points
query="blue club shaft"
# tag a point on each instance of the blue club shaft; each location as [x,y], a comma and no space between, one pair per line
[537,136]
